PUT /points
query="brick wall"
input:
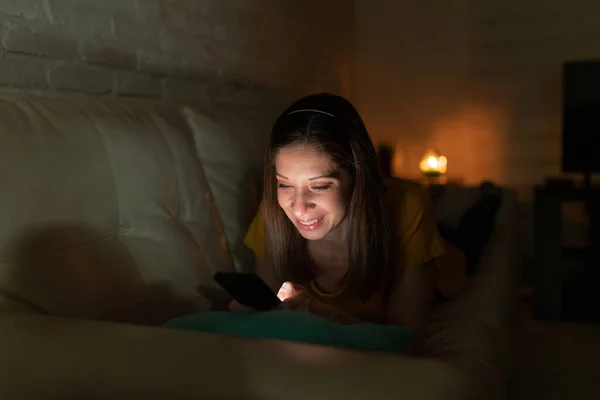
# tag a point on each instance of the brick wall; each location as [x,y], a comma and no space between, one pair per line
[232,51]
[480,80]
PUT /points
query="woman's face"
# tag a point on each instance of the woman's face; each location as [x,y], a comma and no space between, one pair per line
[311,189]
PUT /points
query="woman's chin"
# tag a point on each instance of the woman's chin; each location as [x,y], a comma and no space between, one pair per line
[316,234]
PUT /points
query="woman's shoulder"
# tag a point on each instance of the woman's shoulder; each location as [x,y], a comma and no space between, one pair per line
[413,222]
[405,196]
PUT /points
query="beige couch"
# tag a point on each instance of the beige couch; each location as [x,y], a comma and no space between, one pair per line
[114,215]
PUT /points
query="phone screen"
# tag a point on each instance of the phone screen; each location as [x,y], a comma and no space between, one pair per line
[248,289]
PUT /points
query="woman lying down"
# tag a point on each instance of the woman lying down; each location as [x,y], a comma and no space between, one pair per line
[360,258]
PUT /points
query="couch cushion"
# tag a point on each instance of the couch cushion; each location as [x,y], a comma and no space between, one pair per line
[230,143]
[106,213]
[68,359]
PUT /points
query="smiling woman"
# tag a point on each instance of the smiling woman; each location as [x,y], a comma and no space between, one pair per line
[311,190]
[355,247]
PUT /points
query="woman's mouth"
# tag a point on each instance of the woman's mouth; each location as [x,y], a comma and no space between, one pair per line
[311,224]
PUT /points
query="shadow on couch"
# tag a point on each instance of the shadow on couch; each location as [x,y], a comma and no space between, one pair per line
[73,271]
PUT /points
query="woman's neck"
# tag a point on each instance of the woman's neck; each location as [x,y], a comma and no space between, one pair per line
[330,258]
[338,237]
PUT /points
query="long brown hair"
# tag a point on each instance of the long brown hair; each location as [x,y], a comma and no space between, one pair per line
[333,126]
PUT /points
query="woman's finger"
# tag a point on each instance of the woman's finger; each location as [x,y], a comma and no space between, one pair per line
[287,290]
[300,301]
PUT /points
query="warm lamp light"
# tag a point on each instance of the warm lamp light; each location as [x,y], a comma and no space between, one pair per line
[433,164]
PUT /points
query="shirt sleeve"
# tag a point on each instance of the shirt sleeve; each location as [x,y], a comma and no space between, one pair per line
[416,228]
[255,238]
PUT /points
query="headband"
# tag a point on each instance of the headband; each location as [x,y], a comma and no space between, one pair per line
[312,110]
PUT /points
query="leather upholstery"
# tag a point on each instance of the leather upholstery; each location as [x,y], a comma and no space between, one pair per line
[230,143]
[106,213]
[71,359]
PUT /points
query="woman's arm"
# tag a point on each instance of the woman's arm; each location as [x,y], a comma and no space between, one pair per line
[411,299]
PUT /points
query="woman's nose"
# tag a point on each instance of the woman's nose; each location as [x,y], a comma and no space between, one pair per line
[300,204]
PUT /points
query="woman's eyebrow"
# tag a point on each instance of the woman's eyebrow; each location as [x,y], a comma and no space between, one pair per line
[331,175]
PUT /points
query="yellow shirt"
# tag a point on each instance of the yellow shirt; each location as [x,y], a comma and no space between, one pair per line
[413,225]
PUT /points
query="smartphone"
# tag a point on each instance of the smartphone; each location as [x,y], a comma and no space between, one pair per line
[248,289]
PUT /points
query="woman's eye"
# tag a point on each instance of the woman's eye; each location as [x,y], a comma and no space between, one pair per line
[321,188]
[282,186]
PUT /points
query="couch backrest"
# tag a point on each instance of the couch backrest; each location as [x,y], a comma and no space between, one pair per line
[230,143]
[105,211]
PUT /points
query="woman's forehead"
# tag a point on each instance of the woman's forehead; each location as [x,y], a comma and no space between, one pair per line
[303,160]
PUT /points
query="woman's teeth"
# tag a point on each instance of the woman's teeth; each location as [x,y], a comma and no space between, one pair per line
[312,222]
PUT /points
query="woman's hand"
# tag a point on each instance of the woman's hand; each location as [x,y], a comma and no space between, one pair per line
[295,297]
[286,291]
[289,290]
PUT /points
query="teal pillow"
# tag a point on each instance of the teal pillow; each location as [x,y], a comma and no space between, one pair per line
[298,327]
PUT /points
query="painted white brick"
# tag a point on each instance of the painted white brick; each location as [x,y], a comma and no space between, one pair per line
[232,93]
[185,90]
[177,41]
[28,9]
[148,10]
[132,30]
[41,41]
[22,73]
[81,79]
[198,64]
[155,61]
[110,53]
[120,6]
[124,6]
[263,46]
[138,85]
[176,13]
[80,19]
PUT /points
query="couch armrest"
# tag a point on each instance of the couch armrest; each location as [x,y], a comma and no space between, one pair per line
[54,357]
[13,303]
[473,331]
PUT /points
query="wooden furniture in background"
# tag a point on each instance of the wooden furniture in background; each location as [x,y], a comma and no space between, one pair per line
[551,255]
